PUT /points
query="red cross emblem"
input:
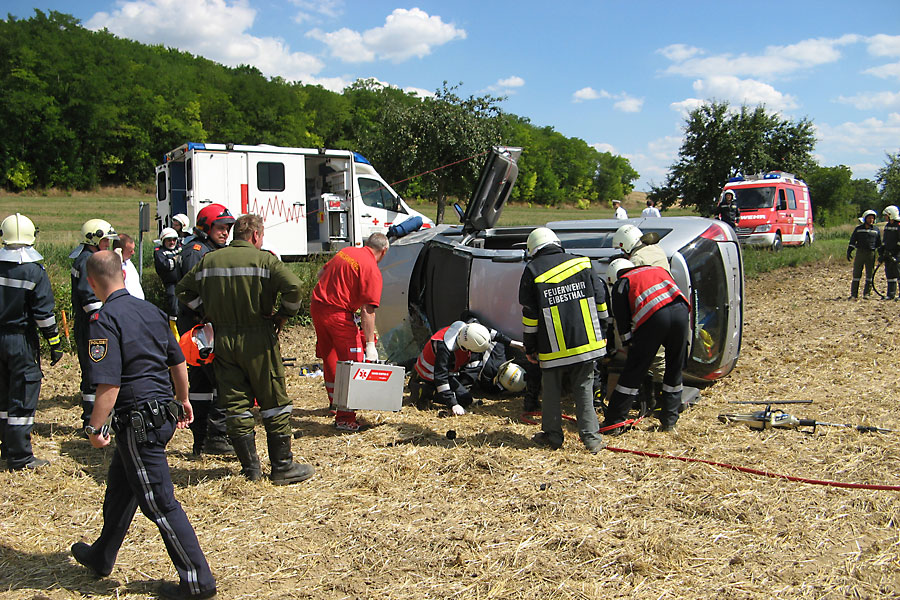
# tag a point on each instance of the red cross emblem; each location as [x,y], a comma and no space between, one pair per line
[374,221]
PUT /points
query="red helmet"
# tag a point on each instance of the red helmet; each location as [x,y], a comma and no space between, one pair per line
[214,213]
[197,345]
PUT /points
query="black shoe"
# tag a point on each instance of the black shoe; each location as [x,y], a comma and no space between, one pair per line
[216,444]
[82,554]
[31,465]
[542,439]
[174,591]
[595,446]
[532,405]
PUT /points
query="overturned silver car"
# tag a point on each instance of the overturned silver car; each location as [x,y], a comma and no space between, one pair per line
[432,276]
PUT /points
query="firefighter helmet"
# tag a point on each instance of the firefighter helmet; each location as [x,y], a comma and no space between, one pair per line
[214,213]
[183,219]
[874,215]
[510,377]
[17,230]
[474,337]
[95,230]
[891,212]
[626,238]
[540,237]
[168,233]
[612,271]
[197,345]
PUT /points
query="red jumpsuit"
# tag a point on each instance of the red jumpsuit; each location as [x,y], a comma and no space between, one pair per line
[349,280]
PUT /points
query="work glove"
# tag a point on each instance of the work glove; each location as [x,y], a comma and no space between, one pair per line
[849,254]
[458,410]
[371,352]
[56,352]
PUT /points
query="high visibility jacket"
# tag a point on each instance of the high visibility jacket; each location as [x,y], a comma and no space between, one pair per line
[441,357]
[236,287]
[563,302]
[639,293]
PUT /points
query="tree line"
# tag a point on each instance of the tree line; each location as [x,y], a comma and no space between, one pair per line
[84,108]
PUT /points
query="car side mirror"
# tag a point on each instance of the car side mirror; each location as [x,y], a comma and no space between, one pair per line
[459,211]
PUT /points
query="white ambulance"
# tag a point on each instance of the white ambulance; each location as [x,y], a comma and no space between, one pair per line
[311,200]
[775,210]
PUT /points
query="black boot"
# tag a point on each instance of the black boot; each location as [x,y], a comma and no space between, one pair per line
[245,448]
[284,469]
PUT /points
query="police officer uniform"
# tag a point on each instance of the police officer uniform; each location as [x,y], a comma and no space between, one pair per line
[563,303]
[237,287]
[650,311]
[889,253]
[866,240]
[209,426]
[26,305]
[132,347]
[84,304]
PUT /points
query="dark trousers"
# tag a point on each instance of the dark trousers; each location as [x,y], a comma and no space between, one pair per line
[209,415]
[88,391]
[423,392]
[20,385]
[864,259]
[668,327]
[139,476]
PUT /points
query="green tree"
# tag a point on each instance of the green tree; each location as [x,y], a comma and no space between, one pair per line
[719,143]
[864,195]
[831,192]
[888,178]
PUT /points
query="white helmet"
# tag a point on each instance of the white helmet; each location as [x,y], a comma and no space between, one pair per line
[612,271]
[510,377]
[17,230]
[95,230]
[874,214]
[626,238]
[891,212]
[183,219]
[168,233]
[474,337]
[540,237]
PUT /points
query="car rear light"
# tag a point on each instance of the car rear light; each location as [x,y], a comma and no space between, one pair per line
[715,233]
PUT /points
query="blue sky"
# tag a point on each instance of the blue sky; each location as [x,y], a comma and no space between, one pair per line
[620,75]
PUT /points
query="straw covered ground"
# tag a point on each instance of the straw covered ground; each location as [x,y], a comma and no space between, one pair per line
[401,511]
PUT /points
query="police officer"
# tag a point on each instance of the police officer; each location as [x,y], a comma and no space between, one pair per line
[889,253]
[214,224]
[866,240]
[26,305]
[167,262]
[236,288]
[132,355]
[96,234]
[563,303]
[650,311]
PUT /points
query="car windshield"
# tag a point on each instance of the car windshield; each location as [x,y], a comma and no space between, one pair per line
[709,304]
[754,198]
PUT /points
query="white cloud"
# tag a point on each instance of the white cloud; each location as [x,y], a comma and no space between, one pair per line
[869,136]
[864,170]
[888,71]
[215,29]
[684,107]
[624,102]
[311,10]
[884,45]
[507,86]
[629,104]
[405,34]
[587,93]
[421,93]
[869,100]
[774,60]
[604,147]
[743,91]
[679,52]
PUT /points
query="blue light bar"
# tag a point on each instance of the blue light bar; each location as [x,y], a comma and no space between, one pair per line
[196,146]
[357,157]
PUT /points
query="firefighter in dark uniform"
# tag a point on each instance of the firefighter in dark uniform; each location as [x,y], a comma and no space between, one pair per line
[650,311]
[889,253]
[167,262]
[866,240]
[727,210]
[563,304]
[26,305]
[132,356]
[210,233]
[236,289]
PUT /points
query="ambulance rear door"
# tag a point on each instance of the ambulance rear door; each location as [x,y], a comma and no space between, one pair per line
[275,190]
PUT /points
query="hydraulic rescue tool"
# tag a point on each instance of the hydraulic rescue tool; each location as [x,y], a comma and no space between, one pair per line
[778,419]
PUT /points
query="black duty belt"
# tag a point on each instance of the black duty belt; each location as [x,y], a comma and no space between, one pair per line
[148,417]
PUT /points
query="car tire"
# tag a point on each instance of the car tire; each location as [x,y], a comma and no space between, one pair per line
[807,241]
[776,243]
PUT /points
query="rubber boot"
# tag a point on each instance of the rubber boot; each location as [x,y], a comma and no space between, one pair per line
[867,291]
[284,470]
[245,448]
[854,289]
[532,401]
[891,290]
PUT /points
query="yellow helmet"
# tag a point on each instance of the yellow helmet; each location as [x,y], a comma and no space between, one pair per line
[95,230]
[17,230]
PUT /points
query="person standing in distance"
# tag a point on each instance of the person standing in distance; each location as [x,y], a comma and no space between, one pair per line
[26,305]
[166,261]
[180,224]
[866,240]
[620,212]
[889,253]
[214,224]
[96,234]
[563,302]
[125,246]
[133,354]
[349,282]
[651,210]
[236,289]
[727,211]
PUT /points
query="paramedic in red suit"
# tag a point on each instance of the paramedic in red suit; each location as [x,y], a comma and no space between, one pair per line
[350,281]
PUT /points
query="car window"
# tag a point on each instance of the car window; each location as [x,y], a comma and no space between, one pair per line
[792,200]
[754,198]
[375,194]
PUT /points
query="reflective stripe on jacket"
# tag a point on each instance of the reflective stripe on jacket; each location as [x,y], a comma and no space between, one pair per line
[639,293]
[441,356]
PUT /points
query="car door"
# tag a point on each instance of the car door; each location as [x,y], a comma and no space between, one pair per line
[379,209]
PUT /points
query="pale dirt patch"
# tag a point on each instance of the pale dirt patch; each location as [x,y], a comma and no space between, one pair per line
[400,511]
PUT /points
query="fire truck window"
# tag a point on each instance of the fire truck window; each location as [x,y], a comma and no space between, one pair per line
[792,200]
[782,203]
[754,198]
[270,177]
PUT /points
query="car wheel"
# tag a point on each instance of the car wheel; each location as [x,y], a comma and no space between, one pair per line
[776,243]
[807,242]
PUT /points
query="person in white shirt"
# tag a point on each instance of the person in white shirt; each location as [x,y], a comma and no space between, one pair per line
[620,212]
[124,247]
[651,210]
